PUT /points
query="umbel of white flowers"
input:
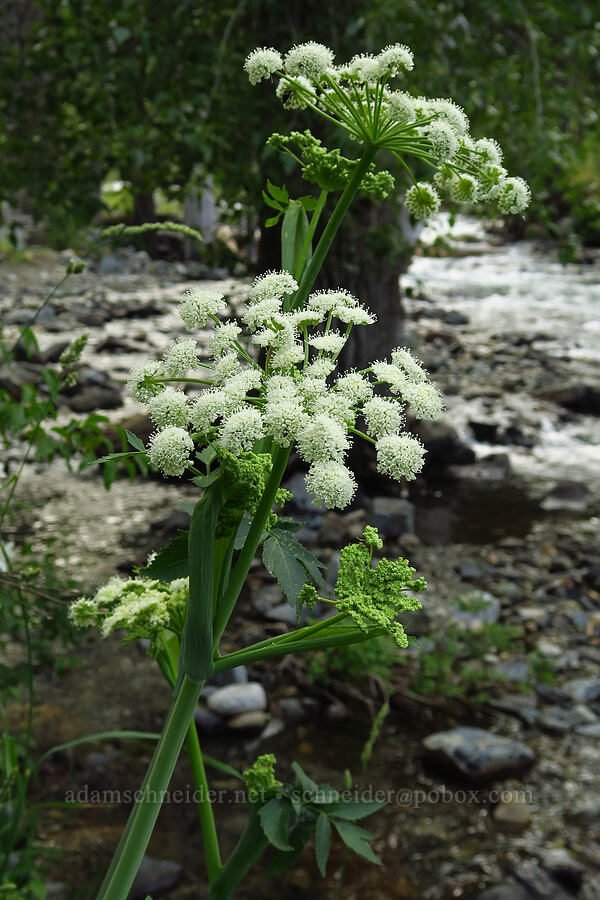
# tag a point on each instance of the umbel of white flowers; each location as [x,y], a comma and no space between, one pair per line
[358,96]
[297,397]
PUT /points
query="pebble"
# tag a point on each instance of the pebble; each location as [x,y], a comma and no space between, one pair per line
[238,698]
[509,891]
[393,516]
[155,875]
[475,609]
[583,690]
[512,813]
[564,867]
[585,813]
[477,754]
[254,720]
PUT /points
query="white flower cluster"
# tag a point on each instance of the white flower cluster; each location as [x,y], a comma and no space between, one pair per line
[358,96]
[294,398]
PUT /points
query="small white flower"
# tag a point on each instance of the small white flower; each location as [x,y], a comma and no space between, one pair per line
[383,416]
[453,114]
[401,106]
[335,406]
[169,408]
[311,388]
[83,612]
[489,150]
[319,368]
[394,59]
[332,342]
[442,139]
[287,356]
[364,68]
[305,318]
[322,438]
[180,357]
[272,286]
[170,449]
[399,456]
[326,301]
[311,60]
[236,387]
[223,337]
[422,200]
[241,430]
[284,419]
[424,400]
[206,408]
[280,387]
[413,369]
[225,367]
[491,181]
[331,483]
[295,94]
[463,188]
[514,196]
[393,375]
[141,384]
[354,386]
[198,305]
[262,63]
[354,315]
[261,313]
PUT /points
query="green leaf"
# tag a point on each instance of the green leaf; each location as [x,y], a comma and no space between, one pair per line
[205,481]
[272,220]
[170,562]
[280,193]
[274,818]
[322,843]
[135,441]
[289,236]
[308,202]
[353,810]
[272,203]
[355,839]
[207,455]
[221,766]
[305,785]
[281,562]
[112,456]
[91,738]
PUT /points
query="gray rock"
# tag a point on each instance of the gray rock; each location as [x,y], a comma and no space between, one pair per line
[444,446]
[512,813]
[90,399]
[239,675]
[468,568]
[292,709]
[578,397]
[515,671]
[564,867]
[583,690]
[155,875]
[254,720]
[113,265]
[557,720]
[238,698]
[477,754]
[585,813]
[265,597]
[540,884]
[393,516]
[285,613]
[454,317]
[508,891]
[571,495]
[536,614]
[521,706]
[591,730]
[475,609]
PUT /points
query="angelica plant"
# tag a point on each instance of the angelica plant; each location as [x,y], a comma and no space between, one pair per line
[271,383]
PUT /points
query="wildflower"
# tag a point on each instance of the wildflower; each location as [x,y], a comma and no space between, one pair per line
[311,60]
[412,368]
[399,456]
[451,113]
[206,408]
[400,106]
[241,430]
[331,342]
[463,188]
[170,449]
[424,400]
[273,285]
[364,68]
[294,94]
[422,200]
[319,368]
[442,139]
[284,419]
[321,439]
[287,356]
[331,483]
[223,338]
[514,196]
[83,612]
[226,366]
[371,537]
[354,386]
[169,408]
[311,388]
[326,301]
[260,777]
[491,180]
[261,313]
[394,59]
[198,305]
[335,406]
[262,63]
[142,384]
[354,315]
[489,150]
[382,416]
[181,356]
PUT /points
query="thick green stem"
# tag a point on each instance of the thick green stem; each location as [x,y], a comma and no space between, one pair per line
[329,232]
[250,847]
[242,566]
[136,836]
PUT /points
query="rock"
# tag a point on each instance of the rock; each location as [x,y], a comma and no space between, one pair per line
[548,650]
[292,709]
[585,813]
[512,813]
[536,614]
[454,317]
[206,721]
[336,711]
[515,671]
[486,432]
[577,397]
[583,690]
[112,265]
[254,720]
[557,720]
[444,447]
[571,495]
[468,568]
[564,867]
[508,891]
[155,875]
[302,500]
[393,516]
[285,613]
[475,609]
[477,754]
[591,730]
[238,698]
[540,885]
[92,398]
[239,675]
[521,706]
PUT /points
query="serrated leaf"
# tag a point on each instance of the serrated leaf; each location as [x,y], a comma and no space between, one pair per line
[272,203]
[205,481]
[280,193]
[322,843]
[298,838]
[308,202]
[274,817]
[304,784]
[207,455]
[355,839]
[135,441]
[282,564]
[113,456]
[273,220]
[170,562]
[353,810]
[293,548]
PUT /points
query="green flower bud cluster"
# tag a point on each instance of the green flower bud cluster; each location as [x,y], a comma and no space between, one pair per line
[260,777]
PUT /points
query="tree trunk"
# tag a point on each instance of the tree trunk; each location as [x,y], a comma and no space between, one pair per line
[369,254]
